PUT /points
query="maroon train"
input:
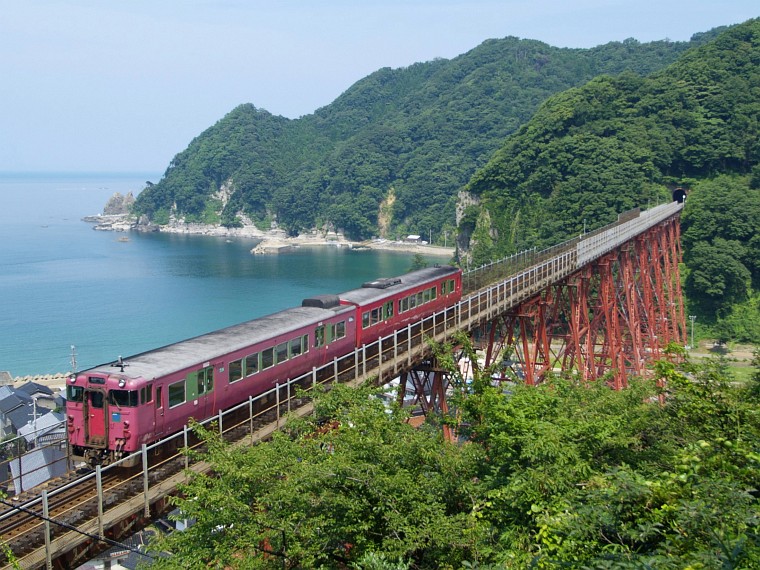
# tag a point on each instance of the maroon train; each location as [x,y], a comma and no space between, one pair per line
[114,408]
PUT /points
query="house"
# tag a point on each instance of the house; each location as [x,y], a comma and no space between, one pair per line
[47,428]
[20,406]
[413,239]
[16,409]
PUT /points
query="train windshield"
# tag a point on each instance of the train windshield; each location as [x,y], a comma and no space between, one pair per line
[123,398]
[74,393]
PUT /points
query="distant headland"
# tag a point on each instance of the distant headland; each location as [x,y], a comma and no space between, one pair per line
[116,218]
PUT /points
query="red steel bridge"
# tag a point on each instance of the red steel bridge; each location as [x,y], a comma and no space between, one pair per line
[602,305]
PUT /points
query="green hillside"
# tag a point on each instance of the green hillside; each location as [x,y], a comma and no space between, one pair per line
[625,141]
[403,141]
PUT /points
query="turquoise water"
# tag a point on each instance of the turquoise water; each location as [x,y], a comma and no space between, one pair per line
[63,284]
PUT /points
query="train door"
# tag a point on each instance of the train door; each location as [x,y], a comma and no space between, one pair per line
[159,412]
[200,390]
[95,418]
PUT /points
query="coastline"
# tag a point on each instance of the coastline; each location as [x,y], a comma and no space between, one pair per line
[272,242]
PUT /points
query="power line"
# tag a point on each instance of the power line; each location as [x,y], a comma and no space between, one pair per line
[75,529]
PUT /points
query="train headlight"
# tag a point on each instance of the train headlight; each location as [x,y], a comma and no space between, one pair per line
[122,383]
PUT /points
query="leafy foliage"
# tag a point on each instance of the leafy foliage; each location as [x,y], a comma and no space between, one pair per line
[351,481]
[721,238]
[558,475]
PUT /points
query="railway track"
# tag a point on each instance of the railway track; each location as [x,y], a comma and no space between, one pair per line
[73,500]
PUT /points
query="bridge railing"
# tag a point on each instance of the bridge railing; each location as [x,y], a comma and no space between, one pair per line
[608,238]
[589,246]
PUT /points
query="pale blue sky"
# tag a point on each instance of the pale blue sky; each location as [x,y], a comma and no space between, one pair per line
[101,85]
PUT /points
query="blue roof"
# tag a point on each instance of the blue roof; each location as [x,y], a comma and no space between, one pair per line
[34,388]
[14,401]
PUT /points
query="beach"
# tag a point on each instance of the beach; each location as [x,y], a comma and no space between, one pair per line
[273,241]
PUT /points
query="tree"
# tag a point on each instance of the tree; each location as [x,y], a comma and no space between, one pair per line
[717,279]
[329,491]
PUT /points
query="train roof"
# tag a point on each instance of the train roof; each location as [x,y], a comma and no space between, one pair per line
[383,288]
[208,347]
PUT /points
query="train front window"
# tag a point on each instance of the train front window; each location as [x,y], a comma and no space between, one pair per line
[123,398]
[96,399]
[74,393]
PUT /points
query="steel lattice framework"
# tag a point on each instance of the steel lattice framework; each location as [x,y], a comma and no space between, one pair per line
[613,316]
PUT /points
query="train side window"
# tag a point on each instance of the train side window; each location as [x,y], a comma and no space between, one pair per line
[340,329]
[236,370]
[433,293]
[252,364]
[281,352]
[412,301]
[200,383]
[159,394]
[209,378]
[376,316]
[176,393]
[296,346]
[319,336]
[426,296]
[420,298]
[267,358]
[388,309]
[204,381]
[365,319]
[74,393]
[404,305]
[146,394]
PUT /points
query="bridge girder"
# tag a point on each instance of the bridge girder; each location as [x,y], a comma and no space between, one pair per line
[613,317]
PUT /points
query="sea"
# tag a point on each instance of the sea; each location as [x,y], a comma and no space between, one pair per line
[72,297]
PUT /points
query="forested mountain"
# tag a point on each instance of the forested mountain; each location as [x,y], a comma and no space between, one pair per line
[625,141]
[400,141]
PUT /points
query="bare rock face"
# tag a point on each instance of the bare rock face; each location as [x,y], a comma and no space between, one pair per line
[118,205]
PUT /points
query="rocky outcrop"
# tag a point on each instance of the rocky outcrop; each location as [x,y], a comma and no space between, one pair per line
[119,205]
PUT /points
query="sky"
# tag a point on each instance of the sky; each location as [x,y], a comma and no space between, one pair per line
[107,86]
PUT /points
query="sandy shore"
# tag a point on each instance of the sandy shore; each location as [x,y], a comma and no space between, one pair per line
[273,241]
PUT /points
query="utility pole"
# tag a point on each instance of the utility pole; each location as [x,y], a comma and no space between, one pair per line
[34,420]
[692,318]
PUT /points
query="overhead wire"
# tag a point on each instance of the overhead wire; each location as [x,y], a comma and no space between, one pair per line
[67,526]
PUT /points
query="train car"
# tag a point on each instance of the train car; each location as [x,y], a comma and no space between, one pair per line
[113,409]
[389,304]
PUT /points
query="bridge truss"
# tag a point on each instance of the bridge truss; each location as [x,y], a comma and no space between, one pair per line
[611,318]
